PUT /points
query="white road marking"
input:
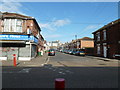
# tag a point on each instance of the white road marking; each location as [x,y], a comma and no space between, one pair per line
[25,70]
[46,62]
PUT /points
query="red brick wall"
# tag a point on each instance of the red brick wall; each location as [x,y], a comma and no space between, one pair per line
[113,36]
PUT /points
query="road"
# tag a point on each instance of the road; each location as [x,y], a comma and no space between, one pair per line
[72,68]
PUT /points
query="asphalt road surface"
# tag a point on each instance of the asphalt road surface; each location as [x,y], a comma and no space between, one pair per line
[75,76]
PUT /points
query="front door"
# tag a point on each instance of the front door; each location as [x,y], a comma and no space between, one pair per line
[105,51]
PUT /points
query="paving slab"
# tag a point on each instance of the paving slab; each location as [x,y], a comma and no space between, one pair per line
[36,62]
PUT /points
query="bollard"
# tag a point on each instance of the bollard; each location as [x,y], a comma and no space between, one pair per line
[14,60]
[59,84]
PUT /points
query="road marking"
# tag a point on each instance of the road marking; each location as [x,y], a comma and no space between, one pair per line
[46,62]
[25,70]
[62,64]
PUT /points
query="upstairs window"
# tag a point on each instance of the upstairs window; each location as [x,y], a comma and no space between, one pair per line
[98,36]
[19,25]
[12,25]
[104,34]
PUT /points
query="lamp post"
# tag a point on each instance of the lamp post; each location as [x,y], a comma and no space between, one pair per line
[76,41]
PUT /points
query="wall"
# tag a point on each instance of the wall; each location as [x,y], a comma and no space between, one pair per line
[113,36]
[8,52]
[34,50]
[24,51]
[87,43]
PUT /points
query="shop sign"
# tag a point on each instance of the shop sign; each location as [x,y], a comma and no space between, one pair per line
[18,37]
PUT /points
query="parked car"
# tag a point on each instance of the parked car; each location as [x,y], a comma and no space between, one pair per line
[51,52]
[80,53]
[67,51]
[70,51]
[74,52]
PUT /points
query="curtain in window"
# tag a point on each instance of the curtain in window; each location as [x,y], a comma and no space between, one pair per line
[6,25]
[12,25]
[19,25]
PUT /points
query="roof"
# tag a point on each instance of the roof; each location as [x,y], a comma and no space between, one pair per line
[55,41]
[108,25]
[18,16]
[15,15]
[86,38]
[42,37]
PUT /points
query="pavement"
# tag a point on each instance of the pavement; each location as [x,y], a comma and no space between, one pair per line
[36,62]
[104,59]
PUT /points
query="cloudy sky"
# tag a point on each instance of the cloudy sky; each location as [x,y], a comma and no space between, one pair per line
[63,20]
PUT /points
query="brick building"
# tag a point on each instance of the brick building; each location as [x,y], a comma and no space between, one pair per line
[82,43]
[85,43]
[19,35]
[107,40]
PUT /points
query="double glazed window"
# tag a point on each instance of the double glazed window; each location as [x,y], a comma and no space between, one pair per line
[12,25]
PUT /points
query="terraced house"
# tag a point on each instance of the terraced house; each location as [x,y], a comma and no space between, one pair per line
[19,35]
[107,40]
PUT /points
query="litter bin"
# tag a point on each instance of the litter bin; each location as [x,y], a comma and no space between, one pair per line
[39,54]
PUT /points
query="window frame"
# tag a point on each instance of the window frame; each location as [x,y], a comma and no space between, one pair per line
[104,35]
[98,36]
[10,26]
[98,49]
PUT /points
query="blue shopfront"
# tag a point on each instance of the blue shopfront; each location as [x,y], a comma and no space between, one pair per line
[24,46]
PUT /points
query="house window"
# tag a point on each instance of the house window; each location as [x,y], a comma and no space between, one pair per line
[104,34]
[98,48]
[19,25]
[98,36]
[12,25]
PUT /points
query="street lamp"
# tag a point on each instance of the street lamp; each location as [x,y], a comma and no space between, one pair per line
[76,41]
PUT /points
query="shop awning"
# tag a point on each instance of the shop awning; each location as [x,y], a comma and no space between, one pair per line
[12,43]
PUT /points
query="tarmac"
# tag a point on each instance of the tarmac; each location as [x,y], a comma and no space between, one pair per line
[41,60]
